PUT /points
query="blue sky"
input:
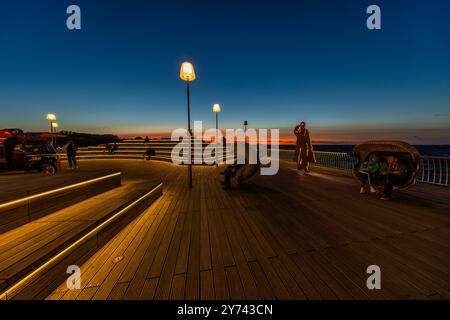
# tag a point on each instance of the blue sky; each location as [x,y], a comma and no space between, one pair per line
[272,63]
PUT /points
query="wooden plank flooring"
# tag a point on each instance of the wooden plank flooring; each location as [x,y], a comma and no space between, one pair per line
[27,246]
[292,236]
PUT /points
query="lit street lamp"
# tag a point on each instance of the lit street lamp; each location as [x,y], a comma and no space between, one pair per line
[187,73]
[51,117]
[216,110]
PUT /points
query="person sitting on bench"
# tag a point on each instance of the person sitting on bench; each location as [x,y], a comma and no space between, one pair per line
[368,172]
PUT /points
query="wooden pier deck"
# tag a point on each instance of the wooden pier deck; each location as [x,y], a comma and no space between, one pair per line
[292,236]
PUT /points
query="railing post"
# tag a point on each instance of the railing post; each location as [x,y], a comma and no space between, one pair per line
[434,171]
[447,172]
[422,169]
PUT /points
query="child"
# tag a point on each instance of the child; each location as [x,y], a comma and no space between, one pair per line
[368,172]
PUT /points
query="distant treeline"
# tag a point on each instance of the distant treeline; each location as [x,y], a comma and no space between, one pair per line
[87,139]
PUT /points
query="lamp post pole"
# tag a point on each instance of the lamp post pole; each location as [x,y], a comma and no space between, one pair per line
[55,125]
[217,138]
[189,132]
[216,110]
[51,117]
[217,126]
[187,73]
[51,128]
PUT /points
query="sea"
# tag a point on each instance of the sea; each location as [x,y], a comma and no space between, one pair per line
[425,150]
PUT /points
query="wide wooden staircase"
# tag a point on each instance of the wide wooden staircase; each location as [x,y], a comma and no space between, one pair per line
[135,149]
[50,223]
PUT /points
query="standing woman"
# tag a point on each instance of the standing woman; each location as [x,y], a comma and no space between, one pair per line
[71,150]
[304,150]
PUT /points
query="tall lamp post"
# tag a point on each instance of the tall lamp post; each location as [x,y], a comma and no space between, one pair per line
[245,125]
[55,126]
[187,73]
[216,110]
[51,117]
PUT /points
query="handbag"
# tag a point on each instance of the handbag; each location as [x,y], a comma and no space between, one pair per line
[311,156]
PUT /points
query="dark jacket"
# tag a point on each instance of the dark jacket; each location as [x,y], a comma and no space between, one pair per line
[396,169]
[71,150]
[303,138]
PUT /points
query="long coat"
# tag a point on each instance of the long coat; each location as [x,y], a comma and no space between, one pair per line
[303,138]
[303,145]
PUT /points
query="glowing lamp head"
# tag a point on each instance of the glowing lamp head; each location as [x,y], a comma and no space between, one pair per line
[216,108]
[55,125]
[51,117]
[187,72]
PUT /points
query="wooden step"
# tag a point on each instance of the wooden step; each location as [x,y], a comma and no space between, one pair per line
[27,197]
[33,255]
[157,157]
[165,146]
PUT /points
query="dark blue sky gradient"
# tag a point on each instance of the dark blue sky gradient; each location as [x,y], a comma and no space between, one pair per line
[270,62]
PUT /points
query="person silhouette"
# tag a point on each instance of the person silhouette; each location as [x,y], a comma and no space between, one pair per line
[303,148]
[71,151]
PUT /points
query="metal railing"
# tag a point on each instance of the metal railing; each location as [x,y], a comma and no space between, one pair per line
[433,170]
[336,160]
